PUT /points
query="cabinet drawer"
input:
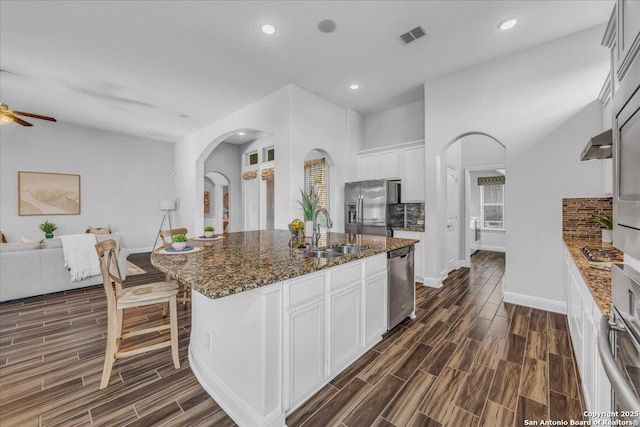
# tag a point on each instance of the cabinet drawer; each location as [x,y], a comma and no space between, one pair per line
[299,291]
[346,275]
[375,264]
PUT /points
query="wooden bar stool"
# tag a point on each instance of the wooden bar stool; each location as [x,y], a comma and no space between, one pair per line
[119,298]
[166,236]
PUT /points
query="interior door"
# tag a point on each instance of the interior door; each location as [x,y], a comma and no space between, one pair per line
[453,203]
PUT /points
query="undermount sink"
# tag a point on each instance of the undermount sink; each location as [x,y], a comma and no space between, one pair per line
[345,249]
[323,254]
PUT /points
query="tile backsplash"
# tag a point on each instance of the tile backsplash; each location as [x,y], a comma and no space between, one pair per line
[577,216]
[407,215]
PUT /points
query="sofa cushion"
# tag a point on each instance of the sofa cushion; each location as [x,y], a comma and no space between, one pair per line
[52,243]
[19,246]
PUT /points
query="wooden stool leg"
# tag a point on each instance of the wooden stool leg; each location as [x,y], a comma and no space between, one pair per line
[173,319]
[165,309]
[110,351]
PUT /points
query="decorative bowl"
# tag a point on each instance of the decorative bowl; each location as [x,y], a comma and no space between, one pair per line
[209,234]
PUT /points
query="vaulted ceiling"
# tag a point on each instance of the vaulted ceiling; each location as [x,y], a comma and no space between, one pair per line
[139,67]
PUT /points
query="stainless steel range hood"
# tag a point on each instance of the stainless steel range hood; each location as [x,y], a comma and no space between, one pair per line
[599,147]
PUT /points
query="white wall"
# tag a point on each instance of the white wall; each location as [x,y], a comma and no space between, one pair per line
[227,160]
[540,104]
[122,179]
[298,122]
[394,126]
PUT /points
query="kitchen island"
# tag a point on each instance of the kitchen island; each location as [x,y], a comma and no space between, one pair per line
[271,326]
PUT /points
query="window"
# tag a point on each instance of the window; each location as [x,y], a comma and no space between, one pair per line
[492,206]
[316,176]
[252,158]
[269,154]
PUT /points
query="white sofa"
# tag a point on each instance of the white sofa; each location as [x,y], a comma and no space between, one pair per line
[27,271]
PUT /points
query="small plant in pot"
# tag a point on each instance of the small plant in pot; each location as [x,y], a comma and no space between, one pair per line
[48,228]
[208,231]
[606,222]
[308,203]
[179,242]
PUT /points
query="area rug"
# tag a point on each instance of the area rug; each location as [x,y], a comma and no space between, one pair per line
[133,269]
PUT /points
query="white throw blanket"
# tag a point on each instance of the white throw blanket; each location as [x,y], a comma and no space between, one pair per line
[80,255]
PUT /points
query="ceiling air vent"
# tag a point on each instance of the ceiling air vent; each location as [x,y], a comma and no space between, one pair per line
[412,35]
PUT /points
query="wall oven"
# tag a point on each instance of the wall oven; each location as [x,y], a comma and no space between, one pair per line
[626,154]
[619,344]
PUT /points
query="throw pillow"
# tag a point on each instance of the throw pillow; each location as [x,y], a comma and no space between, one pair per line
[100,230]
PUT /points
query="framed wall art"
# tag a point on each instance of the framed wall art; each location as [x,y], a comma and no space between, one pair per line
[41,193]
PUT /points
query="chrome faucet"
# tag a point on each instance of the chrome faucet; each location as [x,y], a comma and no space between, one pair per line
[316,227]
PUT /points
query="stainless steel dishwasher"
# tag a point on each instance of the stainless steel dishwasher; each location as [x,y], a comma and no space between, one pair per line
[402,289]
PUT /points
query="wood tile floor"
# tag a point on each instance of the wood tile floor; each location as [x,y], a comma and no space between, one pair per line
[469,359]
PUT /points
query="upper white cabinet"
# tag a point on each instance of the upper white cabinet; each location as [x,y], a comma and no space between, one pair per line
[404,161]
[622,36]
[628,35]
[368,166]
[413,179]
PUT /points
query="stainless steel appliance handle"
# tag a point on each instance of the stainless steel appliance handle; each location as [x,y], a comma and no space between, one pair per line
[624,393]
[361,208]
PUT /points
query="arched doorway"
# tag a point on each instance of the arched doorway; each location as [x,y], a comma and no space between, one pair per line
[216,201]
[475,165]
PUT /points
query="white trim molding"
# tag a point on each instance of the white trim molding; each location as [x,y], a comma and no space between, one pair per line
[536,302]
[488,248]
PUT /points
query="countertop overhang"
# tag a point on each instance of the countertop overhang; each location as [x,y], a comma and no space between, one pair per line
[248,260]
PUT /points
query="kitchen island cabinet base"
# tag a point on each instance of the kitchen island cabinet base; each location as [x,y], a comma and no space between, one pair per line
[262,353]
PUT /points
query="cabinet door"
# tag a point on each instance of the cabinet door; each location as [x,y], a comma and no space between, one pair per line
[589,352]
[628,29]
[345,326]
[306,350]
[390,164]
[413,182]
[375,308]
[368,166]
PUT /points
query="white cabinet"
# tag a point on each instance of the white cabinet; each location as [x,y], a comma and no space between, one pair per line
[584,321]
[418,258]
[413,182]
[368,165]
[406,161]
[390,164]
[331,318]
[306,349]
[345,326]
[628,35]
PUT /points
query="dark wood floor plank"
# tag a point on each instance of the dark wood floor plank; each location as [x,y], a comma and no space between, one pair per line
[465,354]
[409,362]
[311,406]
[340,404]
[495,415]
[436,405]
[530,410]
[536,345]
[562,376]
[533,382]
[557,321]
[474,391]
[460,417]
[514,348]
[519,325]
[366,412]
[381,365]
[405,404]
[421,420]
[559,343]
[506,383]
[562,407]
[354,369]
[438,358]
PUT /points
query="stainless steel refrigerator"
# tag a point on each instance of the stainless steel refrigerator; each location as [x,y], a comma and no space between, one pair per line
[368,206]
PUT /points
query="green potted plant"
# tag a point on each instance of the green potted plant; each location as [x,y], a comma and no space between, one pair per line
[606,222]
[48,228]
[308,203]
[179,242]
[208,231]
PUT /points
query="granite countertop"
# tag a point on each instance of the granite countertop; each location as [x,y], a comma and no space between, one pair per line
[598,281]
[417,229]
[248,260]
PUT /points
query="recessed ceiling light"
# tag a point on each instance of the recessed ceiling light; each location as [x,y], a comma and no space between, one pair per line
[268,29]
[241,133]
[354,86]
[508,23]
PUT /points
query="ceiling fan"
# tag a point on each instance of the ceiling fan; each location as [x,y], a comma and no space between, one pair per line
[7,116]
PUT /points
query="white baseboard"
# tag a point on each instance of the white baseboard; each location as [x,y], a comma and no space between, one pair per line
[435,282]
[488,248]
[536,302]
